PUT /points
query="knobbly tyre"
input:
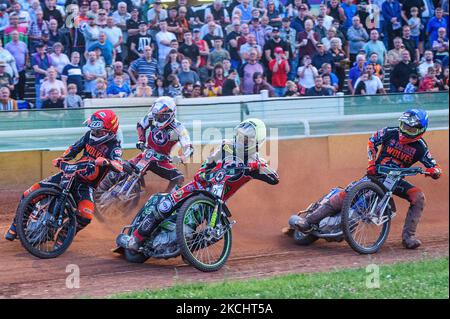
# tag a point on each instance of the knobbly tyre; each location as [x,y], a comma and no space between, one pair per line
[194,221]
[365,218]
[47,218]
[126,193]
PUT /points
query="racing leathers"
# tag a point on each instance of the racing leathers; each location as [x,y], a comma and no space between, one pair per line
[162,141]
[160,206]
[104,156]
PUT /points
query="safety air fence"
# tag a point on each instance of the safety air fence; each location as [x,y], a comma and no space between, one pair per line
[211,119]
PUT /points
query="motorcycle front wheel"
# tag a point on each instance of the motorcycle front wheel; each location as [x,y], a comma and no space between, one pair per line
[205,244]
[37,229]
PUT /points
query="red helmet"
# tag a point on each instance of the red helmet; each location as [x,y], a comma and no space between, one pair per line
[103,125]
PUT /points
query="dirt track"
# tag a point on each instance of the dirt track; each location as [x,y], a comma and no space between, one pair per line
[259,248]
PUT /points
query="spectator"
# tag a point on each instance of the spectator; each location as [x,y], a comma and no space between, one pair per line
[51,12]
[298,23]
[118,69]
[5,79]
[156,14]
[291,89]
[350,11]
[159,89]
[10,66]
[357,37]
[374,45]
[326,78]
[72,73]
[36,29]
[120,16]
[429,82]
[336,11]
[114,35]
[280,69]
[307,73]
[142,88]
[433,25]
[373,83]
[394,56]
[219,12]
[230,86]
[6,102]
[361,87]
[355,72]
[73,100]
[14,26]
[99,91]
[327,20]
[440,45]
[322,56]
[58,58]
[250,44]
[391,11]
[218,55]
[54,100]
[261,84]
[163,39]
[51,82]
[248,69]
[210,31]
[218,76]
[326,69]
[307,40]
[145,65]
[187,90]
[139,41]
[412,85]
[132,23]
[186,74]
[258,31]
[173,64]
[118,89]
[174,89]
[4,17]
[378,69]
[232,44]
[246,10]
[273,43]
[410,44]
[107,50]
[54,34]
[91,32]
[40,61]
[24,16]
[427,63]
[318,89]
[319,27]
[92,70]
[190,50]
[18,49]
[415,24]
[197,91]
[401,73]
[273,14]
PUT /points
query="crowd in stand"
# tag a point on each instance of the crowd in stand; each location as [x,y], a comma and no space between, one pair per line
[80,49]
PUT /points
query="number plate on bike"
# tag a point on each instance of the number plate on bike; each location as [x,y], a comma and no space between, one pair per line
[389,182]
[217,190]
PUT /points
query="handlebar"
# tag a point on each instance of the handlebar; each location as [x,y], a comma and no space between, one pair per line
[149,152]
[410,171]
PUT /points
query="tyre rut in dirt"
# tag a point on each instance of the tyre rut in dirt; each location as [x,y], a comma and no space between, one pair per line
[197,246]
[370,191]
[68,228]
[132,256]
[304,239]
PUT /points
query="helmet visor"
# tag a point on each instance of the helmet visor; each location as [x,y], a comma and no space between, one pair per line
[162,117]
[99,132]
[410,130]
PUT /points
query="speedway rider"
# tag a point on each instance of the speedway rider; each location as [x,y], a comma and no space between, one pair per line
[242,152]
[164,133]
[400,147]
[101,148]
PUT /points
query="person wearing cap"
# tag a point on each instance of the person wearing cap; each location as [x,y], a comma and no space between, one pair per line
[133,23]
[289,35]
[274,42]
[91,31]
[259,33]
[298,23]
[322,56]
[280,69]
[139,41]
[40,62]
[156,14]
[51,12]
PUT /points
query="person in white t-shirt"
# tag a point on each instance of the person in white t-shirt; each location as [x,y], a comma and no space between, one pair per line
[307,73]
[163,39]
[373,82]
[114,35]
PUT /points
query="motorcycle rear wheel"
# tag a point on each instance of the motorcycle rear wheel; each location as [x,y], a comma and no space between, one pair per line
[62,237]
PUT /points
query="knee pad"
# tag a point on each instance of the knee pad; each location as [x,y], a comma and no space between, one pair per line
[416,197]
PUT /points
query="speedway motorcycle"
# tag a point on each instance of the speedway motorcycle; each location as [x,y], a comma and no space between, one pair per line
[124,189]
[365,219]
[199,228]
[47,218]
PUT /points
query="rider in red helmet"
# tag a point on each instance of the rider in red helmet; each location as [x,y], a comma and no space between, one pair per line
[100,146]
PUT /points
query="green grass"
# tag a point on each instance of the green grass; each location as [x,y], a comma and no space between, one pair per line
[422,279]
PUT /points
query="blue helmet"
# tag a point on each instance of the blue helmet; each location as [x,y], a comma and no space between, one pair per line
[413,123]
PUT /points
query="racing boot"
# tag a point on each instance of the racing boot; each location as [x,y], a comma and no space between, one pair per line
[145,229]
[128,242]
[306,225]
[412,219]
[11,234]
[300,223]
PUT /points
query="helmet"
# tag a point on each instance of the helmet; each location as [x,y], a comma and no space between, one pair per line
[163,111]
[413,124]
[250,135]
[103,125]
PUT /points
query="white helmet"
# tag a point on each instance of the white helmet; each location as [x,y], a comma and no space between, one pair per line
[163,111]
[250,135]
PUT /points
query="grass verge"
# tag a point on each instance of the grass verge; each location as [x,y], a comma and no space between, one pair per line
[421,279]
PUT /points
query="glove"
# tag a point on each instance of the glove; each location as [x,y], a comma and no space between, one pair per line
[140,145]
[57,161]
[101,161]
[254,166]
[177,160]
[434,172]
[200,177]
[372,170]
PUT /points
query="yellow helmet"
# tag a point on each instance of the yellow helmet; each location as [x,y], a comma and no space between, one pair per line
[250,135]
